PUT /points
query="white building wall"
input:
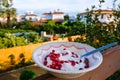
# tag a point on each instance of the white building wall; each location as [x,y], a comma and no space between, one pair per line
[58,16]
[18,19]
[105,19]
[32,17]
[48,17]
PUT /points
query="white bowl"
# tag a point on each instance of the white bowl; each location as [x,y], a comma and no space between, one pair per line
[39,54]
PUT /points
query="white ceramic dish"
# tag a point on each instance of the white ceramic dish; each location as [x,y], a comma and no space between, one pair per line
[40,53]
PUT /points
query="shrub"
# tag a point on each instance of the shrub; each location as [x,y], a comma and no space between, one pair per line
[27,75]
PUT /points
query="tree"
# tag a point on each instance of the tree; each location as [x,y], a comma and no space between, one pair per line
[78,18]
[7,11]
[66,17]
[49,27]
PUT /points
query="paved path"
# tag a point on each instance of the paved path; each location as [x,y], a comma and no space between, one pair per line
[14,75]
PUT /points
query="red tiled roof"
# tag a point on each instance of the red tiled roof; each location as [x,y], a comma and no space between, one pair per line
[55,20]
[57,13]
[30,15]
[23,16]
[45,20]
[36,22]
[58,20]
[96,11]
[53,13]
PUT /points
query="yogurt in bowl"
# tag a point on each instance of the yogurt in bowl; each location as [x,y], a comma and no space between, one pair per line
[65,60]
[62,59]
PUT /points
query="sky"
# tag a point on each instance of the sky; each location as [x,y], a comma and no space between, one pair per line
[61,5]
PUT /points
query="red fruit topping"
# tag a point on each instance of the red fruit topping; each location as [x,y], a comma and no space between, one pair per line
[87,66]
[76,62]
[86,60]
[57,55]
[58,67]
[57,63]
[73,53]
[62,61]
[53,63]
[76,55]
[63,54]
[64,49]
[80,61]
[66,61]
[80,68]
[45,58]
[53,51]
[45,62]
[72,63]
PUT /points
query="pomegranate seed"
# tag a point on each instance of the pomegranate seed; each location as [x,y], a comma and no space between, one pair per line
[80,61]
[57,55]
[73,53]
[45,58]
[80,68]
[72,63]
[66,61]
[53,51]
[53,63]
[86,60]
[76,62]
[62,61]
[64,49]
[87,66]
[63,54]
[58,67]
[76,55]
[45,62]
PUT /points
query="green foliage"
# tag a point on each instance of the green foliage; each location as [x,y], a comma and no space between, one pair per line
[3,31]
[38,39]
[2,65]
[10,40]
[20,41]
[34,38]
[49,27]
[27,75]
[26,25]
[66,17]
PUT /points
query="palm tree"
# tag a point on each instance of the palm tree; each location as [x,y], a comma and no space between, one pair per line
[7,11]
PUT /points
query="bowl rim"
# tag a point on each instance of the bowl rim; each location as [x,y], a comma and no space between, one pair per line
[60,71]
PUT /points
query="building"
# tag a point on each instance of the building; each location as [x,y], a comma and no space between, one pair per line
[106,16]
[55,16]
[28,16]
